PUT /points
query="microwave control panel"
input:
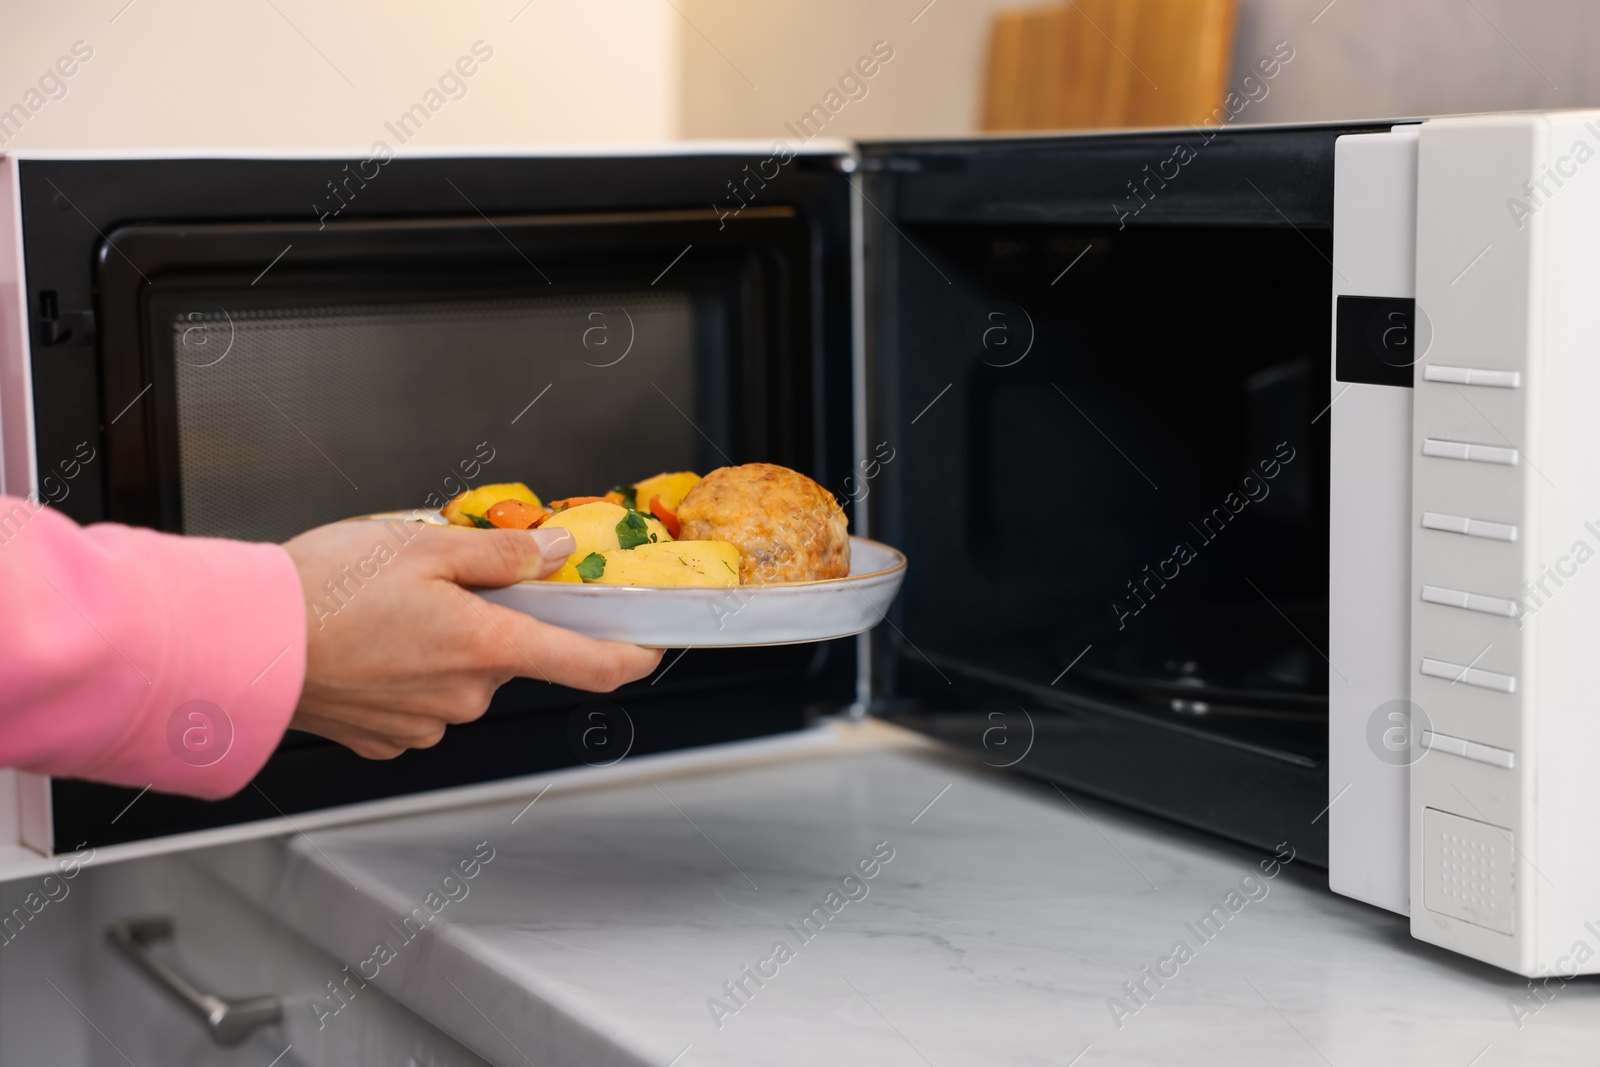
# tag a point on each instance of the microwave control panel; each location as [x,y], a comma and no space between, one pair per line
[1464,612]
[1504,510]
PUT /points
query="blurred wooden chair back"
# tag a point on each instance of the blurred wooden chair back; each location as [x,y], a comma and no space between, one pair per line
[1100,63]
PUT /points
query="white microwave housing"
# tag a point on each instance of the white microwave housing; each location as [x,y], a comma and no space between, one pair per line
[1463,513]
[1463,621]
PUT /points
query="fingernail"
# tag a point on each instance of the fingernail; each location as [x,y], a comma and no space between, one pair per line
[555,544]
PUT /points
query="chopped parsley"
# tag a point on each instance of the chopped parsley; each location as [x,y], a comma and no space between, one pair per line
[592,567]
[630,496]
[479,521]
[633,531]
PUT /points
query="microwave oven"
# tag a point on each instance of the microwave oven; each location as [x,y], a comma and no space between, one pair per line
[1240,468]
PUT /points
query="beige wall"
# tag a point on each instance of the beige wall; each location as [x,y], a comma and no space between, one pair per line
[237,73]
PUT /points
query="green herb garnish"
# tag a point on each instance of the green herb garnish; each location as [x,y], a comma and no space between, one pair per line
[479,521]
[632,531]
[630,496]
[730,569]
[592,567]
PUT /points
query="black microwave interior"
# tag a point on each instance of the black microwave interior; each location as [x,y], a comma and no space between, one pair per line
[1143,497]
[249,368]
[1105,423]
[1096,386]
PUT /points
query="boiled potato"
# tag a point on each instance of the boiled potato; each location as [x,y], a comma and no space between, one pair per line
[671,488]
[675,563]
[594,527]
[478,501]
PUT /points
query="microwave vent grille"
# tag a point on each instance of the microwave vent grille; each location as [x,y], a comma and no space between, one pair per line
[1469,870]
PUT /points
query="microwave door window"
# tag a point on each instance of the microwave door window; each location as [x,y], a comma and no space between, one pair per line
[309,413]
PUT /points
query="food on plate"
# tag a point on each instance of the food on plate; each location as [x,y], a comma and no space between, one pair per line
[786,526]
[600,527]
[665,563]
[752,525]
[513,514]
[670,489]
[657,496]
[471,508]
[668,519]
[566,503]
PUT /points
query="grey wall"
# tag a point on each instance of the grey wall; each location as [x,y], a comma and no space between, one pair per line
[1360,59]
[1376,58]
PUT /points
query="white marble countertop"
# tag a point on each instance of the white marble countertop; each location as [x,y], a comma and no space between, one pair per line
[1003,930]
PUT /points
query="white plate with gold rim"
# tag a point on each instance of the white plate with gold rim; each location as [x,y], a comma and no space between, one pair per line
[783,613]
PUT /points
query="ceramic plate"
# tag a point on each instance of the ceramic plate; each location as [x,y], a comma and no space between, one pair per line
[744,615]
[780,614]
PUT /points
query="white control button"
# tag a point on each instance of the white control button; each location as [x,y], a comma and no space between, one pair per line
[1500,379]
[1435,520]
[1500,757]
[1506,457]
[1457,746]
[1455,672]
[1495,531]
[1445,449]
[1455,598]
[1434,446]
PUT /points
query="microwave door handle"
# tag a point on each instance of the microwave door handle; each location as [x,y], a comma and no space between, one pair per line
[229,1021]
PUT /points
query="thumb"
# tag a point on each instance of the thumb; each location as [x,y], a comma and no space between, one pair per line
[501,557]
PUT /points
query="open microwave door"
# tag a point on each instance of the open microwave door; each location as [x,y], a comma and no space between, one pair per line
[1378,338]
[254,346]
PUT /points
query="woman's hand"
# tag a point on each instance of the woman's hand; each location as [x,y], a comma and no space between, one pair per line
[397,650]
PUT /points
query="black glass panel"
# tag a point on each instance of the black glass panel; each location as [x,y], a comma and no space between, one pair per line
[305,414]
[1376,343]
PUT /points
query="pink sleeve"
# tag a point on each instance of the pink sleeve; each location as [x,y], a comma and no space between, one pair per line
[143,658]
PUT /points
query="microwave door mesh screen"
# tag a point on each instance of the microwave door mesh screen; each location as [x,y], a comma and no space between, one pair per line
[291,418]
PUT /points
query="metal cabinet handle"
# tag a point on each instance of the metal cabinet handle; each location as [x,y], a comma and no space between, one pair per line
[229,1020]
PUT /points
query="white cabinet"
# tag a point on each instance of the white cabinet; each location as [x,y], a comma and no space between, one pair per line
[68,996]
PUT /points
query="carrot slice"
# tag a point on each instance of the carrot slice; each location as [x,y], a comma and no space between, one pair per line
[574,501]
[515,515]
[668,519]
